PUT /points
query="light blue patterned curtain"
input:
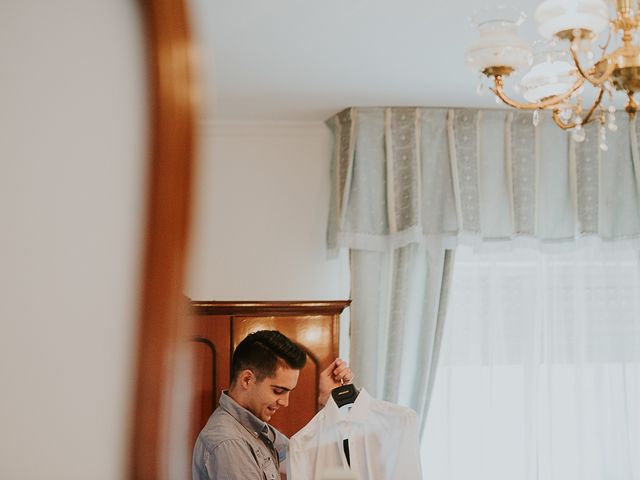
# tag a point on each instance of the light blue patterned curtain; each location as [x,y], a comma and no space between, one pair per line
[409,184]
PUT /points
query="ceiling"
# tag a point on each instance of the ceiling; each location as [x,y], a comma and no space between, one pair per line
[303,60]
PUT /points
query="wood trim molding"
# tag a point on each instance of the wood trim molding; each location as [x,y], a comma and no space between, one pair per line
[172,120]
[210,307]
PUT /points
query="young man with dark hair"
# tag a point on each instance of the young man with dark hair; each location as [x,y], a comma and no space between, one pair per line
[237,443]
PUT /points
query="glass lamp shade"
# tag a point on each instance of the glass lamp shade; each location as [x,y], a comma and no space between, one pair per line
[498,46]
[546,79]
[556,16]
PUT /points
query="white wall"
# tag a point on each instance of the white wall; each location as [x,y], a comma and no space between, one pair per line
[72,166]
[260,220]
[260,223]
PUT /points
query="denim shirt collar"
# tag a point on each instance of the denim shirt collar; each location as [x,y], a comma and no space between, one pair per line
[248,420]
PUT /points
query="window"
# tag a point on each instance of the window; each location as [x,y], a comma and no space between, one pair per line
[539,372]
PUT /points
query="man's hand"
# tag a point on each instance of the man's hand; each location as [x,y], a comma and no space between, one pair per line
[336,374]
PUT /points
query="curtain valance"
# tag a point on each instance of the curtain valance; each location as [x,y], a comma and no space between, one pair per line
[419,175]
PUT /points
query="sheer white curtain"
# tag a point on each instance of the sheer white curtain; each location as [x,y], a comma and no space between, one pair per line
[539,371]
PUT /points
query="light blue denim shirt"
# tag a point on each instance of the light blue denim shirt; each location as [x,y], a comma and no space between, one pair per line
[237,445]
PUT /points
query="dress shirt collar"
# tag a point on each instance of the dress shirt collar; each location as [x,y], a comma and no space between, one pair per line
[358,413]
[248,420]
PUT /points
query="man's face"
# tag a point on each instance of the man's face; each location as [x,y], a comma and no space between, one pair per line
[268,395]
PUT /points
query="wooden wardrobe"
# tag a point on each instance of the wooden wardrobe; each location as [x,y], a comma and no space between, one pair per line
[216,329]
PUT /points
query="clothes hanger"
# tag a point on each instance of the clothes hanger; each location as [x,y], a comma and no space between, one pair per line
[344,394]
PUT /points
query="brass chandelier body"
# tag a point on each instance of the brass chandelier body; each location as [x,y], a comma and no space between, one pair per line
[619,70]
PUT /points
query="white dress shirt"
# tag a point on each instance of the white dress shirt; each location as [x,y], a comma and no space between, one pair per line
[383,442]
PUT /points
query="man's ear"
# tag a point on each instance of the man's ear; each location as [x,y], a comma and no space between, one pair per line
[245,378]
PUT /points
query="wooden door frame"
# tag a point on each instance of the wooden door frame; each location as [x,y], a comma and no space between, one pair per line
[172,122]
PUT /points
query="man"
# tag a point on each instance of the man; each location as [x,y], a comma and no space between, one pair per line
[237,443]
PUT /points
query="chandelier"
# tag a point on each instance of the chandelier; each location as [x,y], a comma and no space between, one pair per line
[587,45]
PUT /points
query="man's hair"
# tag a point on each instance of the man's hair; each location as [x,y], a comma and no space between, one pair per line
[263,351]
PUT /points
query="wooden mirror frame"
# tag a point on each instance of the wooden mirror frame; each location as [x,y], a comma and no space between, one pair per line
[172,118]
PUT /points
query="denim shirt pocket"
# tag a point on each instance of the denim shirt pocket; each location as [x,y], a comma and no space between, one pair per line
[267,465]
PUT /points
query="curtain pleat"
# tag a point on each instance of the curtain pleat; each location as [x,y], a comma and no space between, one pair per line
[480,177]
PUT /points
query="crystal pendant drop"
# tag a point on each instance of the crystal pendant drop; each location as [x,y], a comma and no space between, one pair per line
[536,118]
[612,122]
[579,134]
[603,138]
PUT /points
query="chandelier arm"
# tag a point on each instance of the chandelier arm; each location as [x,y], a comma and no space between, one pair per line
[549,102]
[558,121]
[606,44]
[587,118]
[595,81]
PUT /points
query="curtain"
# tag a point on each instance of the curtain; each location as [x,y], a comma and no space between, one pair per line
[397,319]
[399,282]
[479,177]
[539,372]
[410,184]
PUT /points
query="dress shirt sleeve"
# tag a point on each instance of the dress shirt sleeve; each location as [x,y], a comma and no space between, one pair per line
[233,460]
[409,465]
[300,462]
